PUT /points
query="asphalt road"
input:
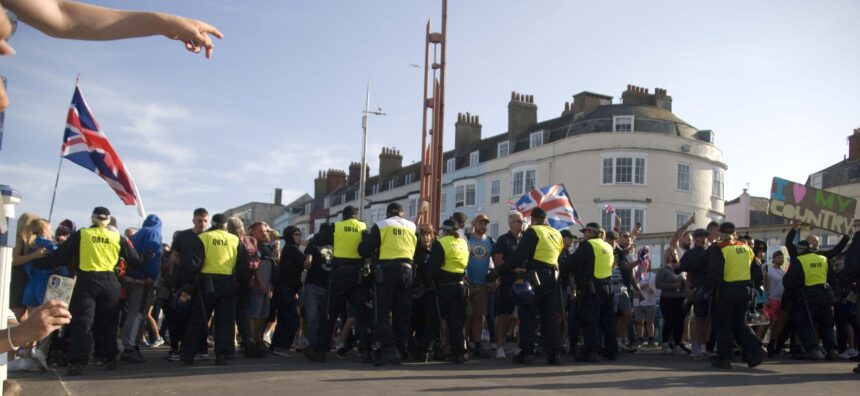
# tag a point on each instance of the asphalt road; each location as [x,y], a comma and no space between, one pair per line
[645,372]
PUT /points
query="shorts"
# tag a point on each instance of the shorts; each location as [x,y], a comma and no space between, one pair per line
[621,301]
[258,305]
[701,307]
[476,305]
[505,300]
[772,308]
[645,312]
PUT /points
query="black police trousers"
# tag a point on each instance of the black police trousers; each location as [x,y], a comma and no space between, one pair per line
[730,320]
[346,288]
[546,307]
[393,306]
[96,295]
[597,318]
[817,306]
[214,293]
[449,304]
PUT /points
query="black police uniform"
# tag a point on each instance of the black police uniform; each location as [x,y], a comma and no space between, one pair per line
[97,251]
[810,275]
[223,264]
[591,265]
[732,271]
[347,286]
[538,251]
[445,275]
[395,240]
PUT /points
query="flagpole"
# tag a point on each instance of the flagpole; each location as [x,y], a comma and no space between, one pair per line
[56,182]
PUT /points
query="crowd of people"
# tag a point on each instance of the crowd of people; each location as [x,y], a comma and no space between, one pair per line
[394,292]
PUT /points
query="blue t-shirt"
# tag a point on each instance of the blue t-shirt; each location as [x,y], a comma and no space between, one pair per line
[480,252]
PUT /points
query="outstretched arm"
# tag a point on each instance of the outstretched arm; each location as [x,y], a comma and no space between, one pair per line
[72,20]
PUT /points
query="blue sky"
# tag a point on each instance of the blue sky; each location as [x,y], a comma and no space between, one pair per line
[282,96]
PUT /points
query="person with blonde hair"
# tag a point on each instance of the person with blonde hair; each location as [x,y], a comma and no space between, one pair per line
[21,255]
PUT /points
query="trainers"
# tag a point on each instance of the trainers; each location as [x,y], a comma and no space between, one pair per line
[157,343]
[667,349]
[267,337]
[40,360]
[343,353]
[848,354]
[29,364]
[523,358]
[280,352]
[204,356]
[830,355]
[110,364]
[172,356]
[391,357]
[625,348]
[553,359]
[500,353]
[813,355]
[683,349]
[586,357]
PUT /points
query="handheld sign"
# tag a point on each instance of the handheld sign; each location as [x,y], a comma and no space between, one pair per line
[822,209]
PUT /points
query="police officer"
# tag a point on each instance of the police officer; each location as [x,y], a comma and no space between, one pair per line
[810,276]
[395,240]
[97,251]
[591,265]
[538,253]
[347,286]
[445,273]
[223,264]
[732,271]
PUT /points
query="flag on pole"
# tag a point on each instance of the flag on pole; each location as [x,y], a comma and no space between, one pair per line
[85,145]
[555,201]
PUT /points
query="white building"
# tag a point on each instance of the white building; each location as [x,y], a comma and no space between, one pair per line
[636,156]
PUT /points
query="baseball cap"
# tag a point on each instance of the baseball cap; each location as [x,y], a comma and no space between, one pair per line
[101,213]
[594,227]
[567,234]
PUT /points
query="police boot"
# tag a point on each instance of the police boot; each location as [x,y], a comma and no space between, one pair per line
[857,369]
[220,359]
[587,357]
[756,357]
[524,358]
[553,359]
[110,364]
[390,356]
[458,358]
[831,355]
[721,363]
[366,357]
[75,369]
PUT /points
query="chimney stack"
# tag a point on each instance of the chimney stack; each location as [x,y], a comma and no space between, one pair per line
[641,96]
[522,114]
[354,173]
[390,161]
[320,184]
[335,178]
[854,145]
[467,132]
[278,196]
[584,102]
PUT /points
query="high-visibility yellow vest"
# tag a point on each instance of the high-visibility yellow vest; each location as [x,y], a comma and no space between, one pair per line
[738,260]
[220,249]
[397,239]
[456,254]
[814,269]
[99,249]
[549,244]
[347,237]
[603,258]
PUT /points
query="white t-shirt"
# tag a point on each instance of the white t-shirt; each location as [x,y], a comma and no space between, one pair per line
[649,290]
[774,282]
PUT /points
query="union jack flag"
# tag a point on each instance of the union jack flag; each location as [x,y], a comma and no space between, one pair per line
[85,145]
[555,201]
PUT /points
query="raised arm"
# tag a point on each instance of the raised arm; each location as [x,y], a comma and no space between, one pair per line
[73,20]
